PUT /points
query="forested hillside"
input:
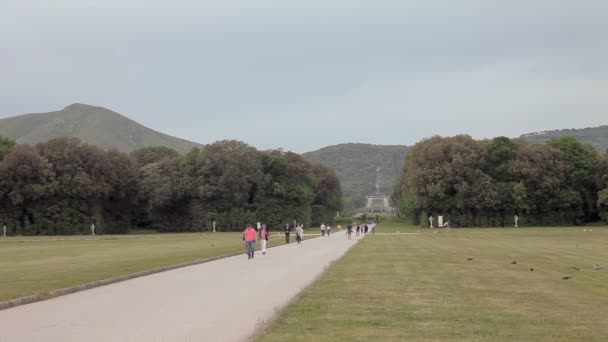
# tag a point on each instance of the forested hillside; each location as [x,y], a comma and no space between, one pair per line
[355,165]
[94,125]
[594,136]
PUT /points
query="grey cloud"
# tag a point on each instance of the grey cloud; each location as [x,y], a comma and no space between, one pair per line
[303,74]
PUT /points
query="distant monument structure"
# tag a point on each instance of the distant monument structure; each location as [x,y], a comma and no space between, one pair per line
[378,203]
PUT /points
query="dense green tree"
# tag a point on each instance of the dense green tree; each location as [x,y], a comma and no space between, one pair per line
[544,194]
[84,180]
[501,152]
[602,203]
[484,183]
[26,179]
[148,155]
[120,204]
[63,185]
[601,179]
[328,195]
[287,190]
[582,161]
[225,174]
[446,176]
[163,194]
[5,145]
[601,173]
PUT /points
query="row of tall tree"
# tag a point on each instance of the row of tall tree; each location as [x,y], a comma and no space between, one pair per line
[63,186]
[487,182]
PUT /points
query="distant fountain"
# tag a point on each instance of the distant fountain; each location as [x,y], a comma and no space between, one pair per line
[378,203]
[378,181]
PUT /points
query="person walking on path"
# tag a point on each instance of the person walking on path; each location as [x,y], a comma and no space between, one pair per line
[264,238]
[366,229]
[287,232]
[249,236]
[349,231]
[358,229]
[328,230]
[323,229]
[299,233]
[374,228]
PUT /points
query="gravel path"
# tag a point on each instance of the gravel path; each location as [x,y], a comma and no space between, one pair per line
[224,300]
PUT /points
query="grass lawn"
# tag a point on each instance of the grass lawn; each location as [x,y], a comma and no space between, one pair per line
[423,288]
[31,265]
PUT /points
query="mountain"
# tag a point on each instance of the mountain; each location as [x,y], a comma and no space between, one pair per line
[93,125]
[594,136]
[355,165]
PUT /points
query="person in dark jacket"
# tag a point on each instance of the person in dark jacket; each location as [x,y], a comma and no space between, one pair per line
[287,232]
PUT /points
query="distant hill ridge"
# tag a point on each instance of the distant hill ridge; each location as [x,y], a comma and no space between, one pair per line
[94,125]
[594,136]
[355,164]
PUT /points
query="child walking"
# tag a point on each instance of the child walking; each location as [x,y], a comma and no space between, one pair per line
[264,238]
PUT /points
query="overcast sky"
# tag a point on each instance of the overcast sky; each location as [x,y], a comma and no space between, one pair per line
[306,74]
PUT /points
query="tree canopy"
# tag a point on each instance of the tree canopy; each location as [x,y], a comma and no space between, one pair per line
[5,145]
[63,185]
[487,182]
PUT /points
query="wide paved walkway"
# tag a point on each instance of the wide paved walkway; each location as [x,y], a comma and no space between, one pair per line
[224,300]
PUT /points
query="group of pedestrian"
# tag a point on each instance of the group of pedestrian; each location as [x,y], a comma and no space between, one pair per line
[324,229]
[251,234]
[299,228]
[440,222]
[365,228]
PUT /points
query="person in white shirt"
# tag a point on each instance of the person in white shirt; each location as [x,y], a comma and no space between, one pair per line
[328,230]
[323,229]
[299,233]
